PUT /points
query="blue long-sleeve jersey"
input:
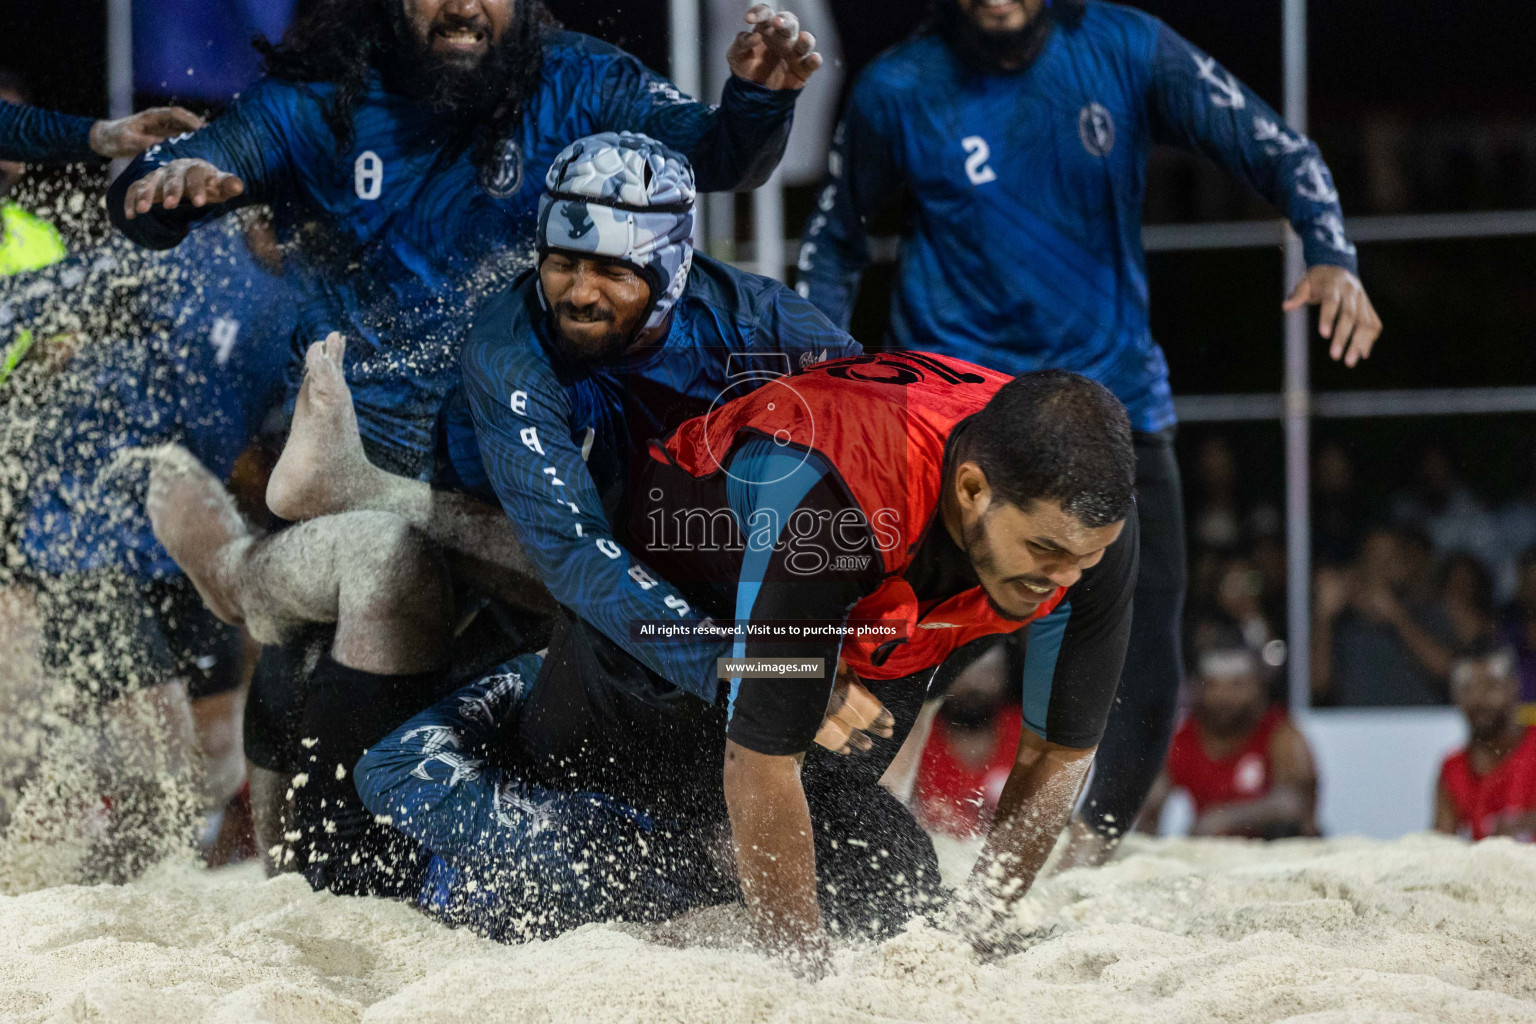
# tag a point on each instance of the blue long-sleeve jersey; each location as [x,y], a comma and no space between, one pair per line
[204,371]
[560,443]
[36,136]
[398,234]
[1024,246]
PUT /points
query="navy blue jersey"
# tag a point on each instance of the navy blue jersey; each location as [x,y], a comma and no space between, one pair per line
[1024,246]
[559,443]
[399,233]
[36,136]
[205,371]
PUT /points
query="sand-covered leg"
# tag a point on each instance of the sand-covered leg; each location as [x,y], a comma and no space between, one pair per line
[323,469]
[195,518]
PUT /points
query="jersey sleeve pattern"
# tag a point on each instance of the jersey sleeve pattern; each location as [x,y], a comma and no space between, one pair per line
[34,135]
[250,141]
[861,176]
[732,147]
[1074,656]
[796,327]
[522,420]
[1198,104]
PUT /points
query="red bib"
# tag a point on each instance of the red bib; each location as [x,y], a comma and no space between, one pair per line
[881,422]
[1246,775]
[1508,790]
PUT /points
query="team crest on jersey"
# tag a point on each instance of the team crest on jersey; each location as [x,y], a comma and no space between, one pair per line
[503,178]
[1097,129]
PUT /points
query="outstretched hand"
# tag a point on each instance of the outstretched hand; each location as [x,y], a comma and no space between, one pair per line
[197,181]
[129,136]
[1347,318]
[774,52]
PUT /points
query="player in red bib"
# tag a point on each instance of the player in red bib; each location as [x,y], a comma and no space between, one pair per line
[1489,788]
[1245,766]
[949,508]
[968,755]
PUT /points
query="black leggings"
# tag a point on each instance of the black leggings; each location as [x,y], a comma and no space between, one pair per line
[1141,720]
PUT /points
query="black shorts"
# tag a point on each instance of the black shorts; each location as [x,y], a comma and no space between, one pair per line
[206,653]
[596,719]
[279,688]
[110,634]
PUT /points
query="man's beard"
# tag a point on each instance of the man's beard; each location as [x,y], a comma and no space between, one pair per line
[991,51]
[1229,724]
[609,346]
[1488,728]
[465,93]
[978,548]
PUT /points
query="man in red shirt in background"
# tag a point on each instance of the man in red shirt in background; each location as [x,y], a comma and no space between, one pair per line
[1489,788]
[969,752]
[1245,766]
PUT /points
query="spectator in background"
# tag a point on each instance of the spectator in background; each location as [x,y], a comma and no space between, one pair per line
[1515,521]
[1245,766]
[1337,519]
[969,753]
[1240,602]
[1455,520]
[1466,597]
[1377,638]
[1517,627]
[1489,788]
[1216,522]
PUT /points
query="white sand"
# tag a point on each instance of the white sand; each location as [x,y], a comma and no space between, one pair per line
[1424,929]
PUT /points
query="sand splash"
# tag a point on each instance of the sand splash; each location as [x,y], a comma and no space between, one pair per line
[1423,929]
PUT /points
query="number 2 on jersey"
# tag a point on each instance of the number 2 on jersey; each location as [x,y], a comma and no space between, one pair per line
[976,164]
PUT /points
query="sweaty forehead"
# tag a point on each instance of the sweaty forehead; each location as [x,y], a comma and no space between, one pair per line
[1045,520]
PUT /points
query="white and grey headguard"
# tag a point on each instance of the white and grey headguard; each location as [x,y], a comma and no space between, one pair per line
[626,197]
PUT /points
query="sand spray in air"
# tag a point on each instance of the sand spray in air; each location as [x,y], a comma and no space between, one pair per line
[97,769]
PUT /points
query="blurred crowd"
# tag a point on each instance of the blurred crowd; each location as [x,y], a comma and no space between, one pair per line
[1401,587]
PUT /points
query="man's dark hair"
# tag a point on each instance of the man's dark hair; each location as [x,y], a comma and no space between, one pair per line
[1056,435]
[343,41]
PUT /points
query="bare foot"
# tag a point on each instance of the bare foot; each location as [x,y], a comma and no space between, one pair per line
[323,470]
[196,519]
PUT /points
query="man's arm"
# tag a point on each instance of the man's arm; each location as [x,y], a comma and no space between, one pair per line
[238,159]
[1290,804]
[35,135]
[772,722]
[1197,104]
[861,177]
[1150,820]
[1072,664]
[806,335]
[1446,818]
[734,146]
[522,423]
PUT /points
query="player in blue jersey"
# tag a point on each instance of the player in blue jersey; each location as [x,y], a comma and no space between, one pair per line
[639,334]
[391,138]
[1019,131]
[192,351]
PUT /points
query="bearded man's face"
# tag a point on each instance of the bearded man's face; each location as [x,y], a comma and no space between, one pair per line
[459,33]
